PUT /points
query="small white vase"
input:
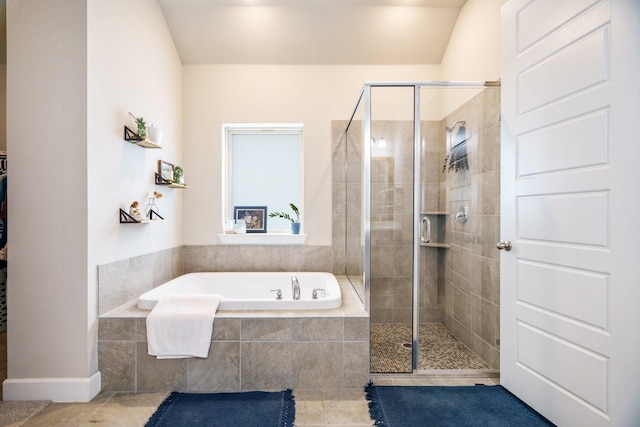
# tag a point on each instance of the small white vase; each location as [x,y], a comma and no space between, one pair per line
[154,134]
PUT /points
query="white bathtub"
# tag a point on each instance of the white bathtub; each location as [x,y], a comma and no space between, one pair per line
[252,291]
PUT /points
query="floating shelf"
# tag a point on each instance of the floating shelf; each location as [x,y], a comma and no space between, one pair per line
[161,181]
[125,218]
[136,139]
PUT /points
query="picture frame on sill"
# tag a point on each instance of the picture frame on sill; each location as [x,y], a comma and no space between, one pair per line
[255,217]
[165,170]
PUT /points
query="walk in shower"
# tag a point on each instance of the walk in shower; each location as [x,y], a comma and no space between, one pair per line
[421,217]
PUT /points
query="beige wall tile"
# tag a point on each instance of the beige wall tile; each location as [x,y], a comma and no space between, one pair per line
[226,329]
[356,329]
[266,329]
[154,374]
[113,284]
[265,365]
[116,329]
[117,365]
[356,364]
[219,372]
[318,329]
[317,365]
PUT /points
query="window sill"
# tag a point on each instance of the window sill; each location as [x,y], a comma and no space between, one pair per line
[262,239]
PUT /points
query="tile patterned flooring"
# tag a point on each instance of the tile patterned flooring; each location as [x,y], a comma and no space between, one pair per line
[439,349]
[314,408]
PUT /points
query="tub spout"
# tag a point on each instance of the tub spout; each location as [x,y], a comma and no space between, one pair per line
[295,287]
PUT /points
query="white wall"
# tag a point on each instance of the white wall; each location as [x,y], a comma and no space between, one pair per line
[473,52]
[3,107]
[312,95]
[133,67]
[47,130]
[71,171]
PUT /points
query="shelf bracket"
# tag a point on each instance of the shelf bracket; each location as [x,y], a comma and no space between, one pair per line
[161,181]
[125,218]
[130,135]
[153,215]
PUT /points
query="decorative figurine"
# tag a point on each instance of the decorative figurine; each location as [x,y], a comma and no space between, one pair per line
[135,212]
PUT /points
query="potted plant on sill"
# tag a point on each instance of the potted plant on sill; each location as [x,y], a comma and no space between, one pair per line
[295,223]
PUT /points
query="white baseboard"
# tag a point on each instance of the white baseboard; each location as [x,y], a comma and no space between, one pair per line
[54,389]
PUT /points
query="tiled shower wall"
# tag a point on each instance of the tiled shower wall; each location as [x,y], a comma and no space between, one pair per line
[471,265]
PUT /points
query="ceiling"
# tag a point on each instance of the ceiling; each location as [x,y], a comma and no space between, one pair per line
[318,32]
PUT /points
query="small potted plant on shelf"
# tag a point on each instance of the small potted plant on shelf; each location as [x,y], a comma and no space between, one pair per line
[178,175]
[141,125]
[295,223]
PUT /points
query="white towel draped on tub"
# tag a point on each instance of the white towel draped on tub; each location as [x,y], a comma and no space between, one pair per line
[181,326]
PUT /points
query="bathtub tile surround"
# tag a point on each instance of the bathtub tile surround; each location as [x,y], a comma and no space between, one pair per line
[274,330]
[250,350]
[123,280]
[220,371]
[157,375]
[117,364]
[120,281]
[258,258]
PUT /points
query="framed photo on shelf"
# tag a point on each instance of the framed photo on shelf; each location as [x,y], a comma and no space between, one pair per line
[255,217]
[165,169]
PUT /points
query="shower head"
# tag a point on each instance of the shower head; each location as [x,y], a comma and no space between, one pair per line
[453,126]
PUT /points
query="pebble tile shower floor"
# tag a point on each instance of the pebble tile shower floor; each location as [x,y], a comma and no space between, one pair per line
[439,349]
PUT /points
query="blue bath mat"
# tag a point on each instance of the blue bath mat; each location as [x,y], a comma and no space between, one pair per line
[248,409]
[444,406]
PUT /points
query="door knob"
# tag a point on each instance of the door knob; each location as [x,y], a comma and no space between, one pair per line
[506,245]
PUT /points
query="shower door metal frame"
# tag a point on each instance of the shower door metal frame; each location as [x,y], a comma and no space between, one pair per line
[365,95]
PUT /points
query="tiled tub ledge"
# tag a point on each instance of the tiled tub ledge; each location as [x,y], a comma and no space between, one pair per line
[250,350]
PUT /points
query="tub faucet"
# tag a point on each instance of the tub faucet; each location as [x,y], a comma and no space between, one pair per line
[295,287]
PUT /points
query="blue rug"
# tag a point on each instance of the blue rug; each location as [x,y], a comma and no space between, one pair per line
[444,406]
[248,409]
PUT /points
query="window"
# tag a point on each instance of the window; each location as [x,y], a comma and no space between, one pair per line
[263,167]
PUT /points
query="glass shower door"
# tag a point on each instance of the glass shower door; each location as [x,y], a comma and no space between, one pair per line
[391,205]
[422,187]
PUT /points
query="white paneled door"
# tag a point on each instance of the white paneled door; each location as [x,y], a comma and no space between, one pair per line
[570,314]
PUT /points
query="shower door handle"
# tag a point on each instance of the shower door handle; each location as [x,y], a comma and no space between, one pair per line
[506,245]
[425,237]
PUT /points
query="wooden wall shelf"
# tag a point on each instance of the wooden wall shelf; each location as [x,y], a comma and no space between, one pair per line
[161,181]
[125,218]
[136,139]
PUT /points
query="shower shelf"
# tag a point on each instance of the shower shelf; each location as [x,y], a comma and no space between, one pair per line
[435,245]
[439,227]
[435,213]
